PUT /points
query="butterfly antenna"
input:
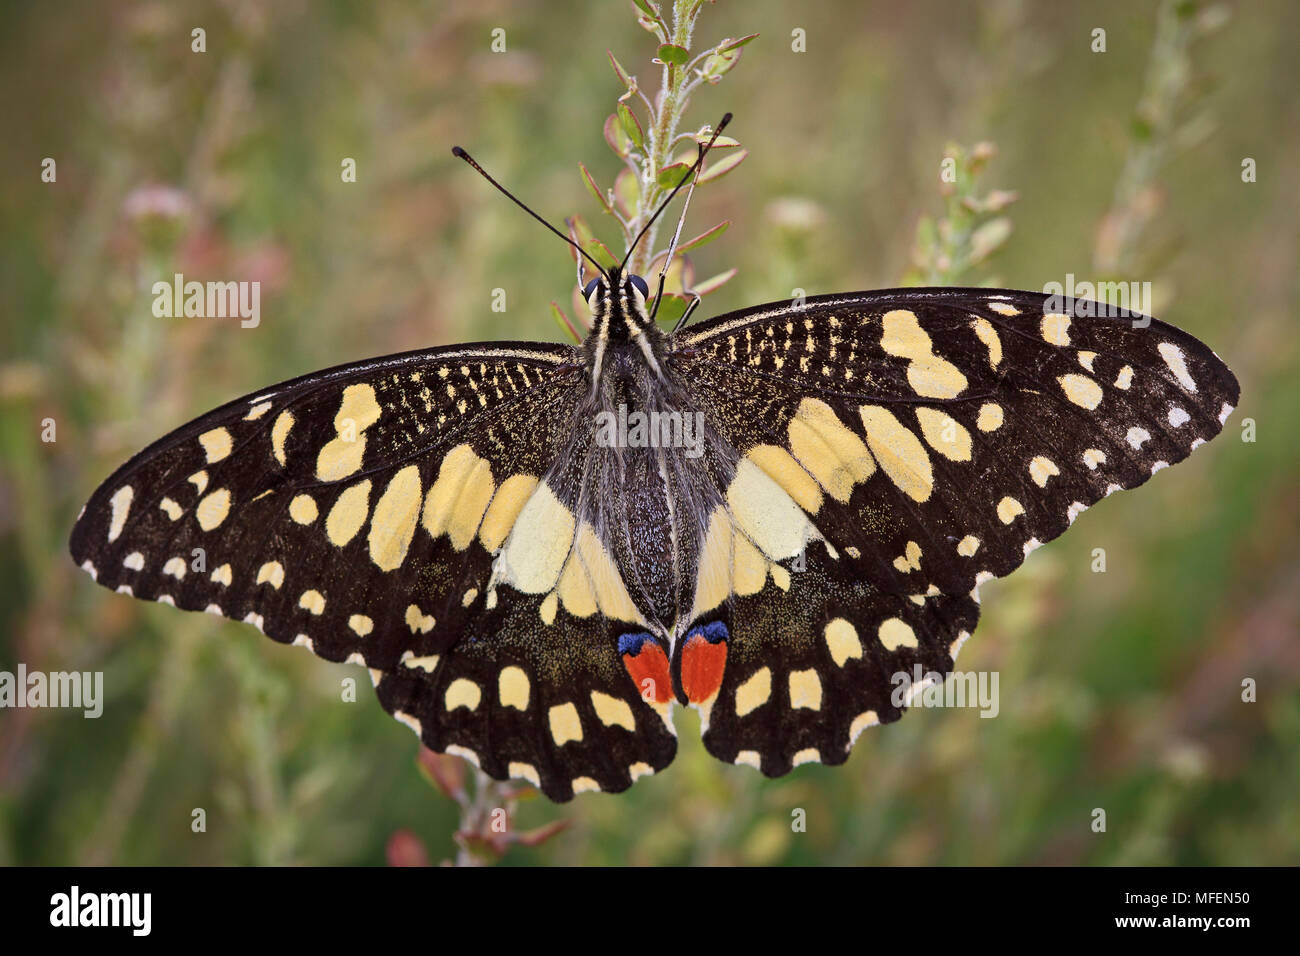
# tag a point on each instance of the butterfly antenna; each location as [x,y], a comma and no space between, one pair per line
[690,173]
[457,151]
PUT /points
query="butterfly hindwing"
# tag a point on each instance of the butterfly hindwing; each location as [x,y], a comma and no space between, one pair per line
[918,442]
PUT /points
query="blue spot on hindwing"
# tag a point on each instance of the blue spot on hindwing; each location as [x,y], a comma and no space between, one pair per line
[631,643]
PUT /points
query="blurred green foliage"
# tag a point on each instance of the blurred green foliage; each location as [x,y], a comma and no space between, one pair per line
[1120,690]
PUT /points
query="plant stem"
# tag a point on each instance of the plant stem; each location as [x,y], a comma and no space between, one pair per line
[670,104]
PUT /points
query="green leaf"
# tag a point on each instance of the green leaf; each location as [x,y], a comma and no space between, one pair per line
[648,8]
[594,189]
[719,64]
[627,191]
[704,238]
[722,142]
[601,253]
[673,54]
[579,231]
[714,283]
[563,322]
[672,308]
[618,140]
[627,119]
[728,45]
[623,75]
[671,176]
[723,166]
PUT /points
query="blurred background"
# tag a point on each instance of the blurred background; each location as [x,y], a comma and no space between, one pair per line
[1119,690]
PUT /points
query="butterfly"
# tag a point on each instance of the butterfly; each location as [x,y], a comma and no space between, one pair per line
[538,550]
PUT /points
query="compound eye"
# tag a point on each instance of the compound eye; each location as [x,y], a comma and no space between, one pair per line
[591,287]
[641,284]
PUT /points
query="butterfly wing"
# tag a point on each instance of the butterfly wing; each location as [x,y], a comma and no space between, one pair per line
[361,512]
[897,448]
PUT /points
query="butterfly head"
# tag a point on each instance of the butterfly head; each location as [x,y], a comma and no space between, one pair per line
[618,305]
[621,320]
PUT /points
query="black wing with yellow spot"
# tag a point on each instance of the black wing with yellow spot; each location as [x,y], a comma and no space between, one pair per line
[897,449]
[360,511]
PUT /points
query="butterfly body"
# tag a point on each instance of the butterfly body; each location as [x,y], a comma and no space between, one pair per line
[537,550]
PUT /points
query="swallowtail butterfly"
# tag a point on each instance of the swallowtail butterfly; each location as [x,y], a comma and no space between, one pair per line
[534,579]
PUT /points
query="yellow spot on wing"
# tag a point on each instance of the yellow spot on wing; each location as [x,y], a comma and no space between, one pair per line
[754,692]
[842,641]
[930,375]
[272,572]
[539,542]
[805,690]
[778,464]
[1042,468]
[749,567]
[312,601]
[348,514]
[361,624]
[392,526]
[968,545]
[513,688]
[591,580]
[358,407]
[900,453]
[212,510]
[713,569]
[612,711]
[1177,363]
[524,771]
[302,509]
[340,458]
[170,508]
[417,620]
[462,692]
[1008,509]
[862,722]
[1081,390]
[990,417]
[1055,329]
[121,505]
[279,434]
[216,444]
[506,504]
[565,724]
[945,435]
[985,332]
[828,449]
[766,513]
[894,633]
